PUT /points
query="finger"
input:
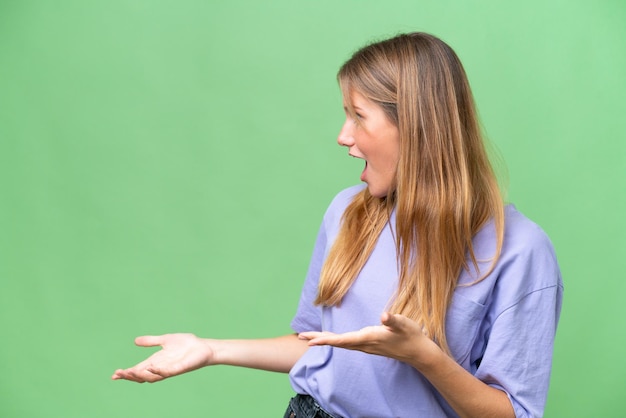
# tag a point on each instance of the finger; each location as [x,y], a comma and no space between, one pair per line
[155,373]
[393,321]
[126,375]
[119,374]
[142,375]
[322,338]
[337,340]
[134,376]
[131,373]
[149,340]
[150,376]
[309,335]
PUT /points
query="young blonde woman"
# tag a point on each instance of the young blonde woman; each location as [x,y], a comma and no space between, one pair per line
[426,296]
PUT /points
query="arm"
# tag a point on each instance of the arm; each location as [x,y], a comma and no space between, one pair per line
[400,338]
[272,354]
[182,353]
[467,395]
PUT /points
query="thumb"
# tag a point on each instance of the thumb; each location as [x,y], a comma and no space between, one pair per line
[393,321]
[149,340]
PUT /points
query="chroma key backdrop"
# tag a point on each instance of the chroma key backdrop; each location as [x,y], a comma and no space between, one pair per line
[164,167]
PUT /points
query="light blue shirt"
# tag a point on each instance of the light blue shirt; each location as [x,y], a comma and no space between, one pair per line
[500,329]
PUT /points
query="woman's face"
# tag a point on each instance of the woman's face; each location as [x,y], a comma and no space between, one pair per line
[372,137]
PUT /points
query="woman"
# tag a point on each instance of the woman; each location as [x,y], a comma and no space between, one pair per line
[426,295]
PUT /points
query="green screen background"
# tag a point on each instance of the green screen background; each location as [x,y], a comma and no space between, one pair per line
[164,166]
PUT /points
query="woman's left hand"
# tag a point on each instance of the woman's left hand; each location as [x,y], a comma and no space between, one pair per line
[397,337]
[401,338]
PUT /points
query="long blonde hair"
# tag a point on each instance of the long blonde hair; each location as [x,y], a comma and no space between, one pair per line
[445,189]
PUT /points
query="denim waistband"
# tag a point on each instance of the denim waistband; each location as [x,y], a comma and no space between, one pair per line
[304,406]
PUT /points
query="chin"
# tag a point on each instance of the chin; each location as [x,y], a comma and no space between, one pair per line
[377,192]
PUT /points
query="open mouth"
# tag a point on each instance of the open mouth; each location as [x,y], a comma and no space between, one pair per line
[363,173]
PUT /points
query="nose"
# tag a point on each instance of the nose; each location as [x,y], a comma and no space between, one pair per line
[345,138]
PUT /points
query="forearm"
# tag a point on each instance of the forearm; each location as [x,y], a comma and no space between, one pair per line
[273,354]
[467,395]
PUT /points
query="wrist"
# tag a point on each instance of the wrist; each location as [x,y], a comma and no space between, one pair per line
[213,352]
[429,358]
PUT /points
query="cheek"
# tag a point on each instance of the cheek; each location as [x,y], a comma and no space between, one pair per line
[394,146]
[396,156]
[392,154]
[364,144]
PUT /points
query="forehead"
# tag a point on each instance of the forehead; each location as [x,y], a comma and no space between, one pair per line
[354,98]
[355,102]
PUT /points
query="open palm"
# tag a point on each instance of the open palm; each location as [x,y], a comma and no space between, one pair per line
[180,353]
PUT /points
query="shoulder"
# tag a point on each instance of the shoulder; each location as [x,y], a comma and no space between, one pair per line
[523,239]
[523,236]
[340,202]
[527,262]
[344,197]
[528,252]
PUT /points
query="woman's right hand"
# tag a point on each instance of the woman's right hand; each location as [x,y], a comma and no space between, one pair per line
[180,353]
